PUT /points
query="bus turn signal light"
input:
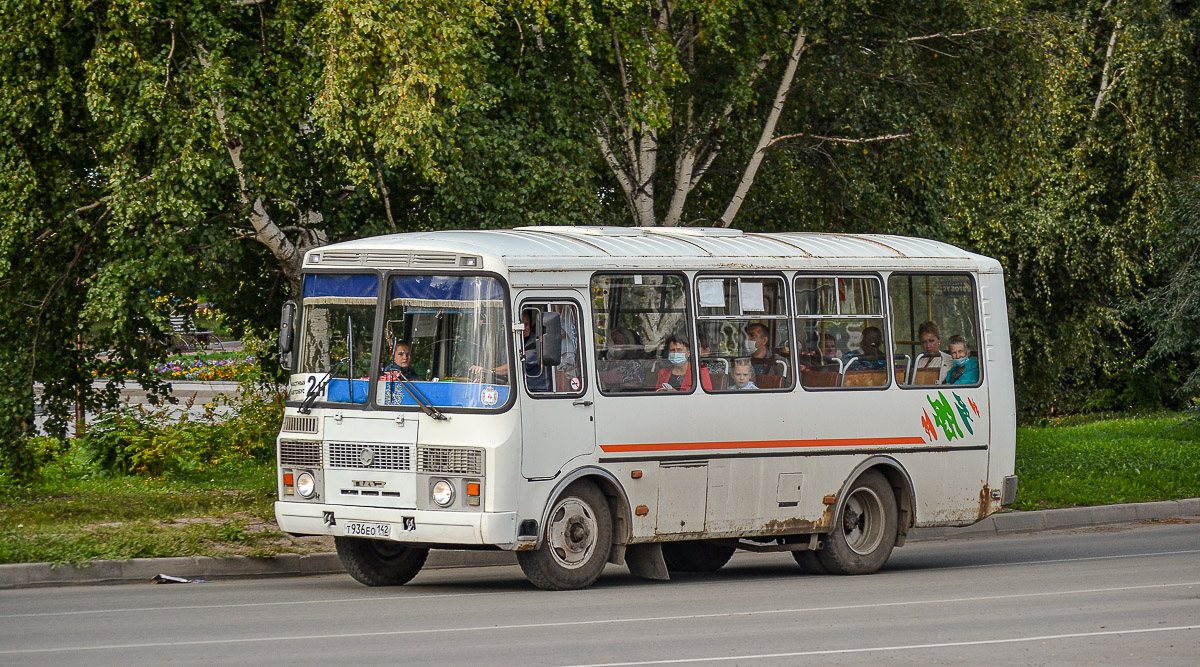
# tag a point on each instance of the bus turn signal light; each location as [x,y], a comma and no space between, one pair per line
[472,488]
[641,510]
[636,474]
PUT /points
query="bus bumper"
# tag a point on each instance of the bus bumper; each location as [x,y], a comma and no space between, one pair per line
[416,526]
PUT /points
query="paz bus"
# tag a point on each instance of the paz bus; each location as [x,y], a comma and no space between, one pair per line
[653,397]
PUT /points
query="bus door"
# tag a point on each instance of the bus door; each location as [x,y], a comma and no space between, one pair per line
[557,417]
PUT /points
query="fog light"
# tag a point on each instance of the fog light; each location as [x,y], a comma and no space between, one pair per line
[443,493]
[306,485]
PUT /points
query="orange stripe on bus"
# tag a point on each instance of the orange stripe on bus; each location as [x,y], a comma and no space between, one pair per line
[762,444]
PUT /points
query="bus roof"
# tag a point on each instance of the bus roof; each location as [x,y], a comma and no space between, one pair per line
[593,248]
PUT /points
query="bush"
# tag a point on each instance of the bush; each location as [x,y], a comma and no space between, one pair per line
[154,441]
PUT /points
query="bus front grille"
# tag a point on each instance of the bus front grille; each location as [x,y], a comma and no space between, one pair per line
[299,453]
[370,456]
[450,460]
[299,424]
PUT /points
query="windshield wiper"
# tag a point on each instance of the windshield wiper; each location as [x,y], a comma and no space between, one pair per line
[421,399]
[319,388]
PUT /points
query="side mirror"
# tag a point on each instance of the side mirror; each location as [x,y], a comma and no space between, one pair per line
[286,325]
[550,338]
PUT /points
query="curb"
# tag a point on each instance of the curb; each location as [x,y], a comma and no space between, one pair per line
[28,575]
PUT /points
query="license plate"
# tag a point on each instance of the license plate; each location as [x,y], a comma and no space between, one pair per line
[362,529]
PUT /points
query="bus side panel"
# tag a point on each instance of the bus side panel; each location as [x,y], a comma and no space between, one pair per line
[999,377]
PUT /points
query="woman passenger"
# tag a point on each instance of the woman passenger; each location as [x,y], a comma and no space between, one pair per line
[965,368]
[678,376]
[933,357]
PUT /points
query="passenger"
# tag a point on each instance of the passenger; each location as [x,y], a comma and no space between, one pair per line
[743,374]
[934,357]
[707,360]
[678,376]
[628,370]
[869,357]
[965,368]
[758,346]
[829,346]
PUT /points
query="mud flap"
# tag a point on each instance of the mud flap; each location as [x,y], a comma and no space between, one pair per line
[646,561]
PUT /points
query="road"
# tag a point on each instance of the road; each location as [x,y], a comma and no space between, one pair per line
[1126,594]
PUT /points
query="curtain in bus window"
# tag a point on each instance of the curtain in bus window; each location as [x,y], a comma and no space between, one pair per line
[928,312]
[634,315]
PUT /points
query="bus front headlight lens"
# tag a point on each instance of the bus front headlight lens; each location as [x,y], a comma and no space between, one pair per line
[443,493]
[306,486]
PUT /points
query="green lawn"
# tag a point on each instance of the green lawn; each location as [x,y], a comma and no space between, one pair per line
[1101,461]
[75,513]
[227,511]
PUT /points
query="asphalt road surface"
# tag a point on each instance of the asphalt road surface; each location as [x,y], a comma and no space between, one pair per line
[1123,595]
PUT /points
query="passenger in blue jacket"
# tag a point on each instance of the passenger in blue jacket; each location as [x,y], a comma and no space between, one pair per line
[965,368]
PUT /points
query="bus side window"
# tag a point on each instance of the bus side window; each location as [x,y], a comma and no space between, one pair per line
[927,311]
[840,321]
[744,332]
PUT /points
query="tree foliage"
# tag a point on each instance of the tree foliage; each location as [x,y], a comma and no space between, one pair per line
[157,151]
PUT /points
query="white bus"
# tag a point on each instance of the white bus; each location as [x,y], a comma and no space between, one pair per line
[643,396]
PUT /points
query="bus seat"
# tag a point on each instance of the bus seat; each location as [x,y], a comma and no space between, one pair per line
[820,376]
[926,376]
[771,381]
[864,378]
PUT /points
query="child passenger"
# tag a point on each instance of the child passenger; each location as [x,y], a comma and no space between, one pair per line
[743,374]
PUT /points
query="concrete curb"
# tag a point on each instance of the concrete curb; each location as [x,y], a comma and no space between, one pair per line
[27,575]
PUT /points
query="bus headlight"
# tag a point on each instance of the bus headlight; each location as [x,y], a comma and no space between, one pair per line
[306,486]
[443,493]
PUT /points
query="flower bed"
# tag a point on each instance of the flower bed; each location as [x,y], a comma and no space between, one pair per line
[206,368]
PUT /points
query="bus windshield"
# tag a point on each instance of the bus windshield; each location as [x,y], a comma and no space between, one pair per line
[443,337]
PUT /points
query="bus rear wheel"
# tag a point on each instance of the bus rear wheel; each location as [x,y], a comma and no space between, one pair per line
[696,555]
[576,542]
[864,532]
[378,562]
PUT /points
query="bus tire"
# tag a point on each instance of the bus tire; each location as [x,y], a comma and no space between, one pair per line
[576,541]
[864,532]
[379,562]
[696,555]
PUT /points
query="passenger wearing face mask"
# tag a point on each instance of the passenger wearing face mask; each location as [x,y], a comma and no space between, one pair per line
[678,376]
[758,346]
[965,368]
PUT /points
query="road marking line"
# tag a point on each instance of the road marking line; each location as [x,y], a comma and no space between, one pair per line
[908,647]
[602,621]
[401,596]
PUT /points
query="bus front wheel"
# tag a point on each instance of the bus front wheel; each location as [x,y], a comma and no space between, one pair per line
[865,530]
[576,542]
[379,563]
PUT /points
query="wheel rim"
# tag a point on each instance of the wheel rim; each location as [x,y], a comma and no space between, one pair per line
[386,551]
[863,521]
[571,533]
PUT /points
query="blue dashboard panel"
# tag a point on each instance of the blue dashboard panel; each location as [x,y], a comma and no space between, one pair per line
[438,394]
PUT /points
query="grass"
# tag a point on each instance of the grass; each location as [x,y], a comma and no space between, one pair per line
[1106,460]
[77,513]
[68,519]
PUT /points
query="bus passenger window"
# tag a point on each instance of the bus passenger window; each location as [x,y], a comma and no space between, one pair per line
[929,312]
[842,332]
[742,323]
[633,317]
